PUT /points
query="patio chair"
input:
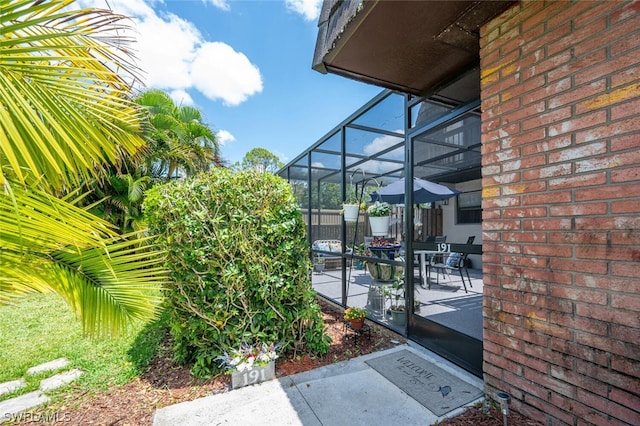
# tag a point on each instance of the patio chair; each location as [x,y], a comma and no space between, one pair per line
[455,262]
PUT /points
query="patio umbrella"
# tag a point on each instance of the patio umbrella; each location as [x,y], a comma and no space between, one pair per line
[424,191]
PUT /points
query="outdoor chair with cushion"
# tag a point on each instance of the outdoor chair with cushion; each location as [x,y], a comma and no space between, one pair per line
[455,262]
[332,252]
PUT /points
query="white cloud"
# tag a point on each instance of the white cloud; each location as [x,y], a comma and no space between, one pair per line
[220,72]
[220,4]
[174,55]
[181,97]
[223,137]
[383,142]
[309,9]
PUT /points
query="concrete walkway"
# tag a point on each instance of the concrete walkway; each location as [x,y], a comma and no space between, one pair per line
[348,392]
[12,407]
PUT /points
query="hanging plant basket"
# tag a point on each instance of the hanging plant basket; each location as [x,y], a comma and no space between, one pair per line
[379,225]
[350,212]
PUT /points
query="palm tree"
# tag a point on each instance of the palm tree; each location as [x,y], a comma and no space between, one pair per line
[180,143]
[65,118]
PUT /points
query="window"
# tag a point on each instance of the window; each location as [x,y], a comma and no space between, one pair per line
[470,207]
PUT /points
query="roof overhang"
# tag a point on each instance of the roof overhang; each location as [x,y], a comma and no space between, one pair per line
[410,46]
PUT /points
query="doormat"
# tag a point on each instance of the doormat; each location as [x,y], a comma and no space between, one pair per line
[439,391]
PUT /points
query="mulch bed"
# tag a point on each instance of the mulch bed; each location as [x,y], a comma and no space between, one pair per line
[166,383]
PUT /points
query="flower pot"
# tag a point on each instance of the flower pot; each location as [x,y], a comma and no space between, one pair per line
[399,317]
[357,323]
[253,375]
[319,268]
[350,212]
[379,225]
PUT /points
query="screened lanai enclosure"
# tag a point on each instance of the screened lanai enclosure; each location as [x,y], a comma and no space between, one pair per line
[427,258]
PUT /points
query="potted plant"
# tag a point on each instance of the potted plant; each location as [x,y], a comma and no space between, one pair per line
[318,264]
[250,364]
[379,217]
[398,311]
[355,316]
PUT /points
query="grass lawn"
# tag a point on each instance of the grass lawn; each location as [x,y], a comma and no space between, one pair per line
[41,327]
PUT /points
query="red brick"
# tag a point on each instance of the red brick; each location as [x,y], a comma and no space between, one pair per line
[550,383]
[625,142]
[610,315]
[608,162]
[571,40]
[610,192]
[546,224]
[625,365]
[554,277]
[608,130]
[630,206]
[579,238]
[524,359]
[621,78]
[580,295]
[571,96]
[551,356]
[613,222]
[607,100]
[501,155]
[581,411]
[625,334]
[524,139]
[547,145]
[626,237]
[624,44]
[592,355]
[609,283]
[625,399]
[554,410]
[579,123]
[606,344]
[621,254]
[602,70]
[567,375]
[524,237]
[536,89]
[524,188]
[542,120]
[526,212]
[502,340]
[625,270]
[585,267]
[625,301]
[579,209]
[630,10]
[631,108]
[578,181]
[578,152]
[605,405]
[547,198]
[594,11]
[570,68]
[607,376]
[570,321]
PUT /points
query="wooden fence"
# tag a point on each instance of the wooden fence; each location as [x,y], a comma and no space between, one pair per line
[326,224]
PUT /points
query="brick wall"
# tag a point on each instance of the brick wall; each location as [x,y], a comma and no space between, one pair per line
[561,198]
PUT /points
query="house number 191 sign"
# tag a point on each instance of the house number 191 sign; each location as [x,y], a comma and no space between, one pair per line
[444,247]
[240,379]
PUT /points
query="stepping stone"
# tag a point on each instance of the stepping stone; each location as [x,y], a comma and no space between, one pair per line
[11,407]
[7,387]
[47,366]
[58,380]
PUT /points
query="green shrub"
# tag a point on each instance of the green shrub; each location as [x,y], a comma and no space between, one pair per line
[237,253]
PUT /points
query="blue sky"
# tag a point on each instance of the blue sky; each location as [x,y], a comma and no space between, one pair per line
[246,65]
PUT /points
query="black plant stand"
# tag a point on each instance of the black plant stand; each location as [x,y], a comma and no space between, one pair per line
[352,333]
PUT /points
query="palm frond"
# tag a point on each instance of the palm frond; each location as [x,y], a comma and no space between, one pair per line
[66,110]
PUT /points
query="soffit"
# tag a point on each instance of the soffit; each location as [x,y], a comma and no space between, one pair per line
[411,46]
